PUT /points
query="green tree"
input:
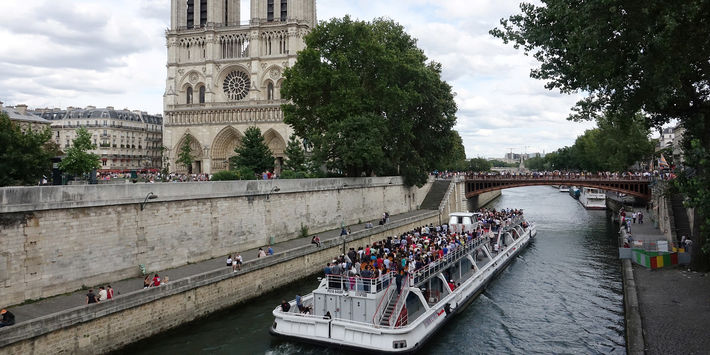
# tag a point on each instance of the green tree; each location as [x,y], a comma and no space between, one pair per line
[78,160]
[535,163]
[185,156]
[364,96]
[253,153]
[295,156]
[479,165]
[24,157]
[456,159]
[630,57]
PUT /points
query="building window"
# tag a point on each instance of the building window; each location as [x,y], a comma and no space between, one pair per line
[189,96]
[202,94]
[203,13]
[284,10]
[269,10]
[190,13]
[270,91]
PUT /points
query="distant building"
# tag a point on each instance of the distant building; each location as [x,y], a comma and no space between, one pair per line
[26,120]
[125,140]
[666,139]
[678,133]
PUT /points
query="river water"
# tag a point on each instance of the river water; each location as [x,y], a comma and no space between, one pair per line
[562,295]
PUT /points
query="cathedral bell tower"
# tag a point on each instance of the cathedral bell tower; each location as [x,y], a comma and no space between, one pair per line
[224,76]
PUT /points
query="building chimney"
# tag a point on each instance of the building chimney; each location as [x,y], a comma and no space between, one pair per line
[22,109]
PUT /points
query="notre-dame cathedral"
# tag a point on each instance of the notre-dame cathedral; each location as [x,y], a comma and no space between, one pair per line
[225,76]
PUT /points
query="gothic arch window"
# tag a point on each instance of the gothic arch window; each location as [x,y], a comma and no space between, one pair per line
[190,13]
[203,13]
[270,91]
[188,95]
[202,94]
[269,10]
[236,85]
[284,10]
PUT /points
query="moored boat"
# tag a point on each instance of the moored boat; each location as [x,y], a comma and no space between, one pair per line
[397,312]
[564,188]
[592,199]
[574,192]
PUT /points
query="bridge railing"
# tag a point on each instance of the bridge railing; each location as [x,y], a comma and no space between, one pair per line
[558,177]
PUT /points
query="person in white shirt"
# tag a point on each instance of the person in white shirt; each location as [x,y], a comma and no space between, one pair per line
[102,294]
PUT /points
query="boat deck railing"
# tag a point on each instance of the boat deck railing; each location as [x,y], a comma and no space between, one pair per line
[421,275]
[371,285]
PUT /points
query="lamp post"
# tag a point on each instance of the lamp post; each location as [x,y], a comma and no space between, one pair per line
[274,189]
[150,196]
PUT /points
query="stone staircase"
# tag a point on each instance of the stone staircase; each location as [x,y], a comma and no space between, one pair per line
[680,217]
[435,195]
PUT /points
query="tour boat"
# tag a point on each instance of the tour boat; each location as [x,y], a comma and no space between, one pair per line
[371,315]
[564,188]
[592,199]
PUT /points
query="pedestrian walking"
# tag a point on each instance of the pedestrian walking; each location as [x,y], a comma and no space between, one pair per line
[640,217]
[633,216]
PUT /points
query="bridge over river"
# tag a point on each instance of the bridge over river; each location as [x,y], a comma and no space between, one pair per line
[633,185]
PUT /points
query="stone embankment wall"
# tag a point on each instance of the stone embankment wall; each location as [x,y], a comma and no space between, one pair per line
[108,326]
[56,239]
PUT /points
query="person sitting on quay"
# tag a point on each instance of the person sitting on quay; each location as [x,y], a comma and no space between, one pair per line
[315,240]
[269,251]
[237,262]
[261,253]
[8,318]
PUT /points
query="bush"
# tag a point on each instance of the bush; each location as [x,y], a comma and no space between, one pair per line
[290,174]
[225,175]
[246,174]
[304,231]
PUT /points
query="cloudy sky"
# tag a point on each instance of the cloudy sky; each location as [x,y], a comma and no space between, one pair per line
[59,53]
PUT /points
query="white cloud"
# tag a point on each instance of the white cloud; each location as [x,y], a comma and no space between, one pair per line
[61,53]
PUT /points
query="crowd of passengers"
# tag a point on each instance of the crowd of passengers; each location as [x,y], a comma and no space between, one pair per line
[360,269]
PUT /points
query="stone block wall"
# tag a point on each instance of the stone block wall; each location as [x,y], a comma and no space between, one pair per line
[55,239]
[107,326]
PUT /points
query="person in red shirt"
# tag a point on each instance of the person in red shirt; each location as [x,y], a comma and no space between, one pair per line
[156,280]
[451,284]
[109,292]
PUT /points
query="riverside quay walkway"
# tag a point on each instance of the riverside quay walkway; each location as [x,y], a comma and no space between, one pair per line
[638,186]
[49,307]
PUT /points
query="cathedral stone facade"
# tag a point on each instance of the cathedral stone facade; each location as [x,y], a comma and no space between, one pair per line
[225,76]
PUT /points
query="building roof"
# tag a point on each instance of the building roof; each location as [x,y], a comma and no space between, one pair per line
[17,115]
[92,113]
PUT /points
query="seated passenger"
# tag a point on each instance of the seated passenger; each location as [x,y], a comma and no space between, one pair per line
[285,306]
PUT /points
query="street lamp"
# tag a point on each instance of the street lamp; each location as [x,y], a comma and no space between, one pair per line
[274,189]
[150,196]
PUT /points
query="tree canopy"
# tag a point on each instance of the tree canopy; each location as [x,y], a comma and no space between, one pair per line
[24,156]
[368,101]
[253,153]
[78,160]
[295,156]
[628,57]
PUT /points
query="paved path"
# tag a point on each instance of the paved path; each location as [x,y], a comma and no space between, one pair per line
[674,303]
[64,302]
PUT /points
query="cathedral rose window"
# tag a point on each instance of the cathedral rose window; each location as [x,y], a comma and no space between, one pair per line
[236,85]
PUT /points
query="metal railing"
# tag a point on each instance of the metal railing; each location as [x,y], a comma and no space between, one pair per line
[399,305]
[371,285]
[379,311]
